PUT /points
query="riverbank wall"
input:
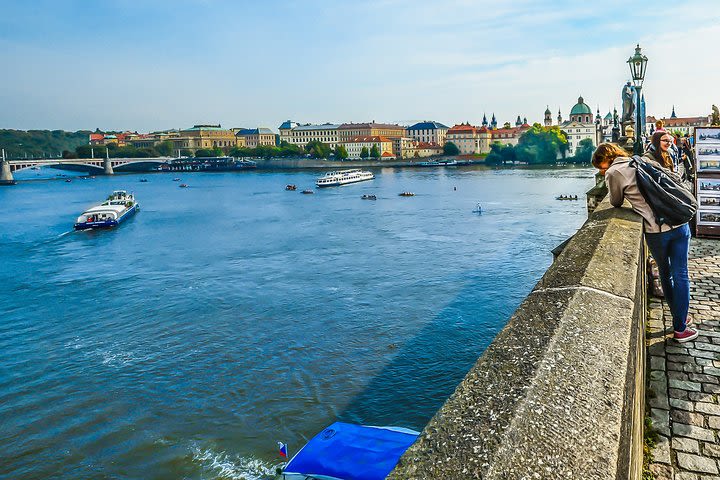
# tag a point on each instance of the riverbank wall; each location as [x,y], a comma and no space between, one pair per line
[559,394]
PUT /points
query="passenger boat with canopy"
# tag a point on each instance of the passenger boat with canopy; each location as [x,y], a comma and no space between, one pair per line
[118,207]
[343,177]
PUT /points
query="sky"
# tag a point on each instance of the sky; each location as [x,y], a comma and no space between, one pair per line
[156,64]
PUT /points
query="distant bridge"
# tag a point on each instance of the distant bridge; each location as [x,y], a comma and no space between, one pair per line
[105,166]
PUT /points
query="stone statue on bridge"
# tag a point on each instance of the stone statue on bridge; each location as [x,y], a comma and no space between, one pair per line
[628,102]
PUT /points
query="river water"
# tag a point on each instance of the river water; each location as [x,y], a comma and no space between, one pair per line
[233,314]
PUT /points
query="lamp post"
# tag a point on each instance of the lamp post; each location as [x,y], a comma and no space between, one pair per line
[637,64]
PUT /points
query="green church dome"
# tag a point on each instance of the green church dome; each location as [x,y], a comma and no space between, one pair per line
[580,108]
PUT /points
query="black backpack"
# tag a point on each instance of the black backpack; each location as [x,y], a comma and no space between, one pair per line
[672,202]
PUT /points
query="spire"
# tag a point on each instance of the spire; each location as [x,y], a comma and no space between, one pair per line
[673,113]
[547,110]
[518,122]
[524,120]
[559,117]
[484,122]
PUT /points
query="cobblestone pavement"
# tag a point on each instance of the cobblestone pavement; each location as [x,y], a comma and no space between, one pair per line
[684,378]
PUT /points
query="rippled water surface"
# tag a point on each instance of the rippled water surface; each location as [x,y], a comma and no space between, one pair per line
[233,314]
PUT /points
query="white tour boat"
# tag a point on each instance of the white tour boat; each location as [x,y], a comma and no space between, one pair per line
[118,207]
[343,177]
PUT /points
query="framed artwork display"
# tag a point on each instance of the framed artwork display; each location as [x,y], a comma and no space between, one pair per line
[707,186]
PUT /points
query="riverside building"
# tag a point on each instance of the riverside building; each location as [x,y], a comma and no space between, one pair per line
[255,137]
[581,125]
[348,131]
[355,145]
[296,134]
[675,124]
[429,132]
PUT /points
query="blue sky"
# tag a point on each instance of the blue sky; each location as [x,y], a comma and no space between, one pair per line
[155,64]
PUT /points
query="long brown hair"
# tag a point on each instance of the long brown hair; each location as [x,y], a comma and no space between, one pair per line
[607,152]
[663,158]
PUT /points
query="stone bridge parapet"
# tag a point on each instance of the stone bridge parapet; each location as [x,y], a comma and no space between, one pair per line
[559,394]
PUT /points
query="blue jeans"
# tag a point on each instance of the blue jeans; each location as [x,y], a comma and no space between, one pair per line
[670,250]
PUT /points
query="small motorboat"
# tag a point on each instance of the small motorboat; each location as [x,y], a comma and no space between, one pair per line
[290,187]
[567,197]
[406,194]
[143,180]
[369,197]
[306,192]
[176,179]
[68,180]
[184,185]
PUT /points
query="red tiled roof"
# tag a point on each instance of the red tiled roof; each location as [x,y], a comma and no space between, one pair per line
[387,154]
[97,136]
[427,145]
[462,129]
[681,121]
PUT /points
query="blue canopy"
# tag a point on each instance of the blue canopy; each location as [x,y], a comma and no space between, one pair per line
[352,452]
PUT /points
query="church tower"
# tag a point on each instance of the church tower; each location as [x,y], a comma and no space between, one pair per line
[518,122]
[548,116]
[493,122]
[485,122]
[559,117]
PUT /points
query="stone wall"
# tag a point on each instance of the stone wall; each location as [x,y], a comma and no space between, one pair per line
[559,393]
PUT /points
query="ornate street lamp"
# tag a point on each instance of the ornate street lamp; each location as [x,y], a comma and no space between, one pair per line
[637,63]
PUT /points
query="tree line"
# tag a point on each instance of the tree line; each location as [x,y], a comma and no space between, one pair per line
[40,143]
[540,146]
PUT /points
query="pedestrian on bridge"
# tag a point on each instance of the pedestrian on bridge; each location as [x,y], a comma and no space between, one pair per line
[669,244]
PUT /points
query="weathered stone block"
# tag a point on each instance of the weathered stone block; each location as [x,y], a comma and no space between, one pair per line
[688,418]
[711,449]
[690,431]
[709,408]
[682,404]
[686,445]
[685,385]
[696,463]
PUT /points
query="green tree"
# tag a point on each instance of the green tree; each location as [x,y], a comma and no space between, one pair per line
[37,143]
[541,145]
[91,151]
[584,151]
[451,149]
[500,154]
[205,152]
[375,151]
[364,152]
[165,148]
[341,152]
[317,149]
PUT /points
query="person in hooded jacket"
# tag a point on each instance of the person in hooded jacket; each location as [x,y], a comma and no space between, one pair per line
[668,244]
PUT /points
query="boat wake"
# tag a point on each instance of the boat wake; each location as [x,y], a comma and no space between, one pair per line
[223,465]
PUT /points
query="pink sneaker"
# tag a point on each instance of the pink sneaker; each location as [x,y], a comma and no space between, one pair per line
[686,336]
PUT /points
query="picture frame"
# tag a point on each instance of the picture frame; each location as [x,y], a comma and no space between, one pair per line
[705,135]
[708,186]
[707,149]
[710,218]
[709,202]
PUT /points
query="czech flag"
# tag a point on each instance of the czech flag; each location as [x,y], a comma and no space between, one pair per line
[283,449]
